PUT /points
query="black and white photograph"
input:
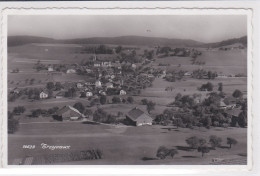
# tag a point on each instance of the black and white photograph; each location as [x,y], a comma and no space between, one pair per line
[127,89]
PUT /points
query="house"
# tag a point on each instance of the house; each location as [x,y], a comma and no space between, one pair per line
[138,117]
[50,69]
[71,71]
[220,75]
[109,85]
[101,92]
[112,76]
[69,113]
[134,66]
[97,64]
[122,92]
[234,113]
[80,85]
[98,83]
[89,94]
[88,70]
[106,64]
[43,94]
[187,74]
[15,91]
[60,95]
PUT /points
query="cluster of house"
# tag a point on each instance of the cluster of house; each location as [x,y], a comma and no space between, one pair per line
[87,88]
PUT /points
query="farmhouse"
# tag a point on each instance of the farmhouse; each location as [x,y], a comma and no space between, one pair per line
[122,92]
[106,64]
[69,113]
[98,83]
[80,85]
[138,118]
[71,71]
[15,91]
[109,85]
[233,113]
[50,69]
[43,94]
[60,95]
[89,94]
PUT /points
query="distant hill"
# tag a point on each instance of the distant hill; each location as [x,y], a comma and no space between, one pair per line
[22,40]
[135,40]
[241,40]
[123,40]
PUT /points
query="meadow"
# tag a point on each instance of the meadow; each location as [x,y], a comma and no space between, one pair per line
[123,145]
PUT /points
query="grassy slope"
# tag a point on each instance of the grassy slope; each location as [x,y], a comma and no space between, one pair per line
[125,145]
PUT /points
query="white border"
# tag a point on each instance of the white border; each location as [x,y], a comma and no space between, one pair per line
[99,8]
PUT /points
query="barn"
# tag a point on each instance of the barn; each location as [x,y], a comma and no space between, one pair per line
[69,113]
[138,117]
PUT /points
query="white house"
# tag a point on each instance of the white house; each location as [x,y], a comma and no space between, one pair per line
[122,92]
[109,85]
[101,92]
[50,69]
[134,66]
[43,95]
[106,64]
[187,74]
[112,76]
[71,71]
[89,94]
[98,83]
[80,85]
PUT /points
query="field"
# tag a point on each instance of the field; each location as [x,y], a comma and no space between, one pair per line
[123,145]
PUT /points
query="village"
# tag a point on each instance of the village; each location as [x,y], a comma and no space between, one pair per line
[121,93]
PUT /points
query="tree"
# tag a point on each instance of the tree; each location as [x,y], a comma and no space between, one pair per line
[178,97]
[231,141]
[150,106]
[79,106]
[50,85]
[13,125]
[100,116]
[220,87]
[203,149]
[144,101]
[178,122]
[242,119]
[215,141]
[118,49]
[103,99]
[162,152]
[193,142]
[130,100]
[88,113]
[19,110]
[237,94]
[58,86]
[208,86]
[172,152]
[116,100]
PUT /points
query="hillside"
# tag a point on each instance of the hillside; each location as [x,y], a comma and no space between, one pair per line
[123,40]
[22,40]
[135,40]
[126,40]
[242,40]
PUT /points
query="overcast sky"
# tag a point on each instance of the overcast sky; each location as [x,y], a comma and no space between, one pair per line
[201,28]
